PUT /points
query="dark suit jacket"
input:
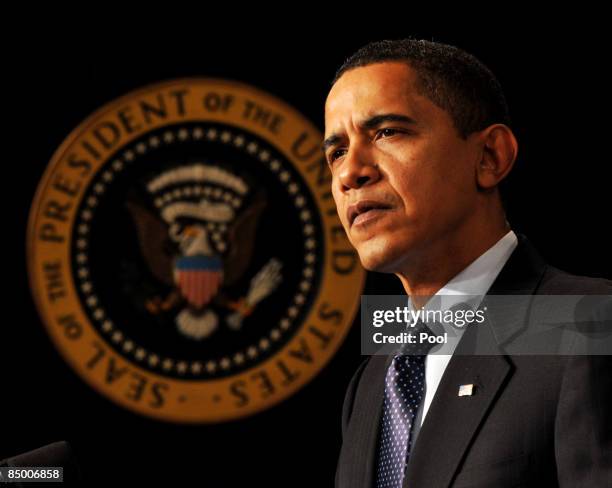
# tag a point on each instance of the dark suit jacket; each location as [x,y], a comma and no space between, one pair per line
[534,420]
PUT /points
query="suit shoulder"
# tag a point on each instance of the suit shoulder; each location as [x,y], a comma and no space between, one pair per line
[558,282]
[357,374]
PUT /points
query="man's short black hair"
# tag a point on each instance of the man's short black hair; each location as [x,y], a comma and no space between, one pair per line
[449,77]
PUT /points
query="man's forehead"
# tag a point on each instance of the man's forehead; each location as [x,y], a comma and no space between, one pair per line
[364,92]
[370,89]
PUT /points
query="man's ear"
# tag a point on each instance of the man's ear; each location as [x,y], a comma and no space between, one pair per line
[499,150]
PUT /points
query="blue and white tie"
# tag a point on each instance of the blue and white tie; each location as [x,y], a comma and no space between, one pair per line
[404,391]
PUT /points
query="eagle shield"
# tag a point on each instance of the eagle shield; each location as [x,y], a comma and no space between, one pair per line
[198,278]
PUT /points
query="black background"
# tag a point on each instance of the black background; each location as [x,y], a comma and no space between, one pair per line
[558,195]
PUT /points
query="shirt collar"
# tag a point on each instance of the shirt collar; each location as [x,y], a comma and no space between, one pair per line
[478,277]
[471,285]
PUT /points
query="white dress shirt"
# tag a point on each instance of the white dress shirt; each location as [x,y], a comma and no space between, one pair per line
[475,280]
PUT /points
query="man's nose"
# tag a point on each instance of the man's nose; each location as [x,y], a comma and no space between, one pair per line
[358,170]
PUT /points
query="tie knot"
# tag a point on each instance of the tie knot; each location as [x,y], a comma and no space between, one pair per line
[422,340]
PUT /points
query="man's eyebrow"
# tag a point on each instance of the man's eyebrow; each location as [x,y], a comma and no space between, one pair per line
[330,141]
[369,124]
[377,120]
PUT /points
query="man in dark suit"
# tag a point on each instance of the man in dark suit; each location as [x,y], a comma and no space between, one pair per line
[418,140]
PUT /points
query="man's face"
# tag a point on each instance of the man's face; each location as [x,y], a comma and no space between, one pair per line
[398,164]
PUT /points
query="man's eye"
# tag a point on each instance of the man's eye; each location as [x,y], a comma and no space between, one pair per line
[387,132]
[335,154]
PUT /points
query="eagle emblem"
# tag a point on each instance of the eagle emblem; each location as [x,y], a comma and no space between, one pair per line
[198,241]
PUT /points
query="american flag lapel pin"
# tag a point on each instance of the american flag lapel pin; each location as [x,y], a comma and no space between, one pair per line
[466,390]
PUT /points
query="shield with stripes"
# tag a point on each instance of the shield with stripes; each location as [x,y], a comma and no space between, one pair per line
[198,278]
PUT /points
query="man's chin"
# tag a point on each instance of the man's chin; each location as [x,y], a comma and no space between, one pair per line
[379,262]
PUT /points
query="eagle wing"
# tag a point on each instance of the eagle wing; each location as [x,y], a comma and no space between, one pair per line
[155,244]
[241,238]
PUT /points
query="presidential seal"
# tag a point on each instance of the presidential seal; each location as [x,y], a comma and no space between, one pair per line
[185,254]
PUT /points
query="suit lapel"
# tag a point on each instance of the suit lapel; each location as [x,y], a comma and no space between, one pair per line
[452,421]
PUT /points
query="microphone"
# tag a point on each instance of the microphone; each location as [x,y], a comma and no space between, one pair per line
[55,454]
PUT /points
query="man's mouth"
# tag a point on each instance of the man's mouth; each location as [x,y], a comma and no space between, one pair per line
[364,210]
